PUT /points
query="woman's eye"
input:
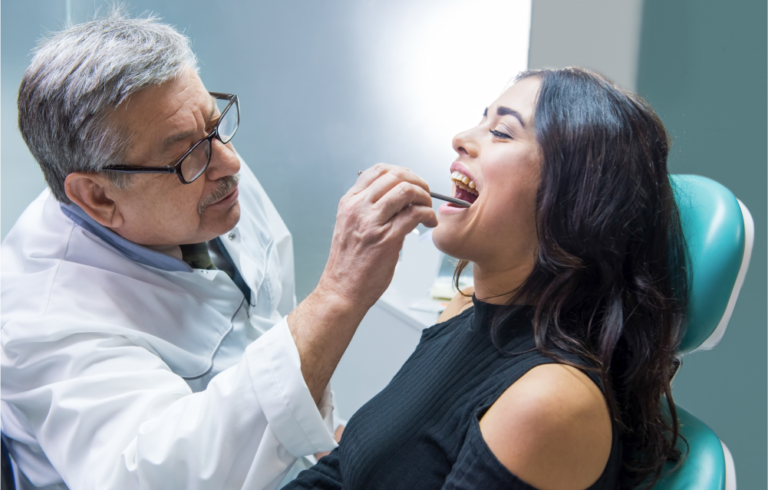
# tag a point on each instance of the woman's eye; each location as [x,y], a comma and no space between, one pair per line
[501,135]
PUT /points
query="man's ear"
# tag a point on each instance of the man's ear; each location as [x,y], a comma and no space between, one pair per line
[90,191]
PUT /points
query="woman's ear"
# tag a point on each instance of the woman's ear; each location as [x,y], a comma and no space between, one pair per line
[90,192]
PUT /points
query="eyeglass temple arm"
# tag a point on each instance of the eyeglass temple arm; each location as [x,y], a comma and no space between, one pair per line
[141,170]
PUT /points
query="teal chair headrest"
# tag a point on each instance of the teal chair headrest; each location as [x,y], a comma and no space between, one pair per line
[719,232]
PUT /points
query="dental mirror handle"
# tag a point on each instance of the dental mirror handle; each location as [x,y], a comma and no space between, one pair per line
[458,202]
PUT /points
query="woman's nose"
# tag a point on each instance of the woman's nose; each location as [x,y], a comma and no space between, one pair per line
[224,160]
[464,143]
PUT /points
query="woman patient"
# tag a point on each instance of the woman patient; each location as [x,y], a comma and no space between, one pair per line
[552,375]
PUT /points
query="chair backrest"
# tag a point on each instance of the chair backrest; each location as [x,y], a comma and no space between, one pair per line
[704,467]
[720,232]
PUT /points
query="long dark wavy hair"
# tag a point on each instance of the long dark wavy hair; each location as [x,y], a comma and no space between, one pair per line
[610,282]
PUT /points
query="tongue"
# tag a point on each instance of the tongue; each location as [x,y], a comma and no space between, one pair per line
[464,195]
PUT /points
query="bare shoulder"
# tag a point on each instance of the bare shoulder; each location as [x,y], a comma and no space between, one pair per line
[551,428]
[459,303]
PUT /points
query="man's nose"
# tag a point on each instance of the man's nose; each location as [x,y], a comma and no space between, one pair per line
[465,143]
[224,161]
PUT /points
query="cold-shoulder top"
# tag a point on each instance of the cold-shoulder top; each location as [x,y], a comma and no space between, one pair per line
[422,431]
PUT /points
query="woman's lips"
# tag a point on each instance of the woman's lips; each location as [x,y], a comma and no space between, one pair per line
[448,208]
[464,185]
[460,167]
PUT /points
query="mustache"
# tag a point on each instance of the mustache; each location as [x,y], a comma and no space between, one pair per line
[226,184]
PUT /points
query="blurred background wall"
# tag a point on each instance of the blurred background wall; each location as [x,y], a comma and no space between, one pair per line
[602,35]
[330,87]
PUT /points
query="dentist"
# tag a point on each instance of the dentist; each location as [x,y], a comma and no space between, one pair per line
[150,337]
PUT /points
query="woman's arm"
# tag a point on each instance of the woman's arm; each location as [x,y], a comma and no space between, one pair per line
[325,475]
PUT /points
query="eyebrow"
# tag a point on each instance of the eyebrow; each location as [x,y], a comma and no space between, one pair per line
[175,138]
[506,111]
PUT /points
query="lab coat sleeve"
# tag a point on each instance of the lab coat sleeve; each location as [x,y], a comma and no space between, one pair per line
[284,248]
[111,415]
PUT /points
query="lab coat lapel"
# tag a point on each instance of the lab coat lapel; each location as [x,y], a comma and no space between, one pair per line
[253,233]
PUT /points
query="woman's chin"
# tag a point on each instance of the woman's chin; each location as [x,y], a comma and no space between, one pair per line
[444,236]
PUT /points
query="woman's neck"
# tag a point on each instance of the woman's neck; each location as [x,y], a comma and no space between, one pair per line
[497,285]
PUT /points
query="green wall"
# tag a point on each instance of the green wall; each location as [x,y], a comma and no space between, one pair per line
[703,67]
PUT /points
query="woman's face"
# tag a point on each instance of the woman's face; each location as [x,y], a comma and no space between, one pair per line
[501,160]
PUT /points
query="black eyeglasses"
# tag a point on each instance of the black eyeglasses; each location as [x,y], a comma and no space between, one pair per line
[194,162]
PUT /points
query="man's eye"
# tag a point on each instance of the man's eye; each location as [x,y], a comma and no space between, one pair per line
[501,135]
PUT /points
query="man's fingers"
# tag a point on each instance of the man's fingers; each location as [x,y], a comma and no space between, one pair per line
[387,180]
[399,198]
[385,183]
[367,177]
[385,204]
[408,219]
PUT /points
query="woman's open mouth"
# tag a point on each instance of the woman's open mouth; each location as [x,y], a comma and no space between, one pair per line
[464,189]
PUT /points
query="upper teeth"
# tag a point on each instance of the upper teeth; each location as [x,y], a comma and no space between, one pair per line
[463,182]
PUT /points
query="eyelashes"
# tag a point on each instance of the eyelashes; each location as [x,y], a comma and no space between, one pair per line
[495,133]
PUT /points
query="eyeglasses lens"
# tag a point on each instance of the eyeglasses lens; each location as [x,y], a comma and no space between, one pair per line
[195,163]
[229,121]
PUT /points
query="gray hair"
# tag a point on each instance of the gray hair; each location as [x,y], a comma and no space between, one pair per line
[77,79]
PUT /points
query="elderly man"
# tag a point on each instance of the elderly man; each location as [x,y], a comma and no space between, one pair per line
[145,342]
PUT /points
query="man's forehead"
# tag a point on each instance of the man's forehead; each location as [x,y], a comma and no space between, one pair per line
[162,116]
[185,134]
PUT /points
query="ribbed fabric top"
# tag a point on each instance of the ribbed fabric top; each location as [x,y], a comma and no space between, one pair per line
[422,431]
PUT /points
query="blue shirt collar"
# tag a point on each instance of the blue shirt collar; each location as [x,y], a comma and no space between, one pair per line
[131,250]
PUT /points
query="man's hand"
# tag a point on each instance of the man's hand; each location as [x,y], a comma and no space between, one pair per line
[385,204]
[373,218]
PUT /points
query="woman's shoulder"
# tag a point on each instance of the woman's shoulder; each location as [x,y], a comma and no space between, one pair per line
[551,428]
[450,320]
[460,302]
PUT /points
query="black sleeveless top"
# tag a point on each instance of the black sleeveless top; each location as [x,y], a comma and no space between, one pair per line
[422,431]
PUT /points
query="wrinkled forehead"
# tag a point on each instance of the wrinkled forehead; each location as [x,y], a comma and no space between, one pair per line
[162,117]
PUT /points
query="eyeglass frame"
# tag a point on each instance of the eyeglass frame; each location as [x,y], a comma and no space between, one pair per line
[176,167]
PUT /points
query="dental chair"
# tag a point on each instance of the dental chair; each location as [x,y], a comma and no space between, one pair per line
[720,234]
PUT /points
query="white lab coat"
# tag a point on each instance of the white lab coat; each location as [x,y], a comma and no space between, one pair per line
[120,375]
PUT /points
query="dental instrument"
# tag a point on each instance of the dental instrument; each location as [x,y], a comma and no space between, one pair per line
[452,200]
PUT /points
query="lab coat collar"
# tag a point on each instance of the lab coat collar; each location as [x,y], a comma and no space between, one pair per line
[129,249]
[251,265]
